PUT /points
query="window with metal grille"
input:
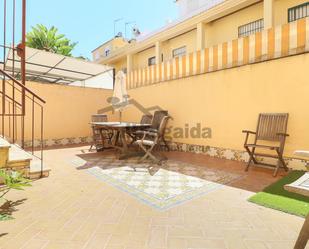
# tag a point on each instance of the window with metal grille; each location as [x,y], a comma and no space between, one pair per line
[298,12]
[152,61]
[251,28]
[179,51]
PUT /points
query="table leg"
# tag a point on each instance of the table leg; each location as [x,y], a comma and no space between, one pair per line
[102,140]
[116,138]
[303,236]
[123,141]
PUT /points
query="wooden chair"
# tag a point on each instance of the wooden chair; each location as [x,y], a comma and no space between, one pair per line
[136,134]
[156,122]
[100,135]
[271,128]
[146,119]
[151,139]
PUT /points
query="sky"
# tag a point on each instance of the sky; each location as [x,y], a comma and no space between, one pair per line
[91,22]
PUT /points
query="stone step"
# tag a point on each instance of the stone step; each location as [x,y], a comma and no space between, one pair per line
[18,159]
[35,169]
[22,161]
[3,142]
[4,152]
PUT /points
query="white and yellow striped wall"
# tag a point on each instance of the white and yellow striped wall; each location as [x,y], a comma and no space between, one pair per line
[281,41]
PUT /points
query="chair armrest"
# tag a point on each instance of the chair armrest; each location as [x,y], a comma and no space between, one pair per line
[250,132]
[247,135]
[283,134]
[139,132]
[151,130]
[150,133]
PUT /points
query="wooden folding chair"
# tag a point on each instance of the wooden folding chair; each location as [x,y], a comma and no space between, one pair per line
[151,139]
[136,134]
[99,135]
[271,128]
[146,119]
[156,122]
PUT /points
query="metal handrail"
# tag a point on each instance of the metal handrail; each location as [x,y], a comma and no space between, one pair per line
[16,95]
[22,86]
[18,90]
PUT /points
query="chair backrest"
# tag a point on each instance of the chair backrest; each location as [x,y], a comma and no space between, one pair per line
[99,118]
[146,119]
[162,126]
[157,118]
[270,124]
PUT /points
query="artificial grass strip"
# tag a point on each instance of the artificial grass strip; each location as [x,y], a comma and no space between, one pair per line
[276,197]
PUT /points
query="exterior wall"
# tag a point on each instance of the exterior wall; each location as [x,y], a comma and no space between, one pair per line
[281,9]
[224,87]
[219,31]
[113,45]
[229,101]
[188,39]
[187,7]
[140,59]
[120,64]
[67,111]
[277,42]
[226,28]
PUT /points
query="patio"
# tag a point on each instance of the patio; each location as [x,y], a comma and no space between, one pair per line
[74,209]
[225,78]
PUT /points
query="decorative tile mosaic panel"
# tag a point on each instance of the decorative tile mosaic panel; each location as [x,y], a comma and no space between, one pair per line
[223,153]
[236,155]
[60,141]
[161,187]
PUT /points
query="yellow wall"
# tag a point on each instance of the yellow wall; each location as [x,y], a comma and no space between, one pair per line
[218,31]
[120,64]
[68,109]
[140,59]
[281,9]
[229,101]
[188,39]
[226,29]
[113,44]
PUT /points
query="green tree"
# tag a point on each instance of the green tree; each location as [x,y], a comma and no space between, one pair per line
[40,37]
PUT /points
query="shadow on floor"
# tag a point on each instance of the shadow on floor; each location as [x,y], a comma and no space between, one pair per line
[255,180]
[108,160]
[9,207]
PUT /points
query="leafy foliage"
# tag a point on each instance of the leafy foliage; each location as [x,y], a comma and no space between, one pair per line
[11,180]
[4,217]
[40,37]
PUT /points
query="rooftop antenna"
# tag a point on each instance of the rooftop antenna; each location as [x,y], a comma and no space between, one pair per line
[115,22]
[125,27]
[136,32]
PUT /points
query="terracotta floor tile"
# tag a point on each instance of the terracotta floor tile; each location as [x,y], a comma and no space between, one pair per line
[73,209]
[97,241]
[157,237]
[62,245]
[35,244]
[177,243]
[206,243]
[185,231]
